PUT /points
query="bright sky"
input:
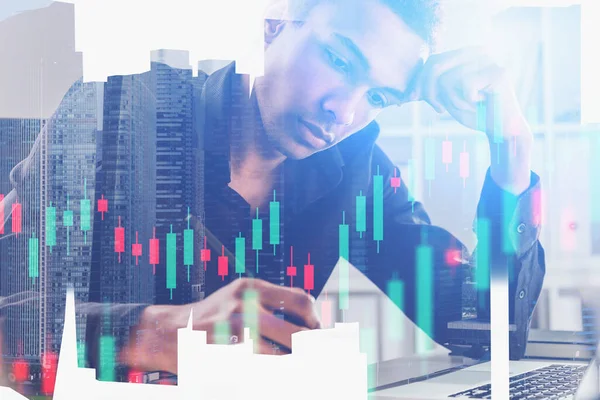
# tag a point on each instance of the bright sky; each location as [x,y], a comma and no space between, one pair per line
[116,36]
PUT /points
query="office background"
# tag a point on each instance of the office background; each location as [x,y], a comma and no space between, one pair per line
[541,49]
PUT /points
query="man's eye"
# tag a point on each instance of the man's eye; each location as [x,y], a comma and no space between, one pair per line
[378,100]
[337,62]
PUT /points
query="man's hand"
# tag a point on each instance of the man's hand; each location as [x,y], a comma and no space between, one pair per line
[155,347]
[457,81]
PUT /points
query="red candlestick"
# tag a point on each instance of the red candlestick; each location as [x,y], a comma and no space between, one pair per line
[20,370]
[17,218]
[453,257]
[395,181]
[223,264]
[49,367]
[119,239]
[154,253]
[1,214]
[102,206]
[291,269]
[309,276]
[136,249]
[205,254]
[135,376]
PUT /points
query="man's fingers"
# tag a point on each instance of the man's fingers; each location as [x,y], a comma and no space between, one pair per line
[480,86]
[276,329]
[228,331]
[432,82]
[269,341]
[264,347]
[290,301]
[428,85]
[472,88]
[459,87]
[487,81]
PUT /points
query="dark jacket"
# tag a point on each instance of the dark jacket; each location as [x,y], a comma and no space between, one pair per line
[320,192]
[317,195]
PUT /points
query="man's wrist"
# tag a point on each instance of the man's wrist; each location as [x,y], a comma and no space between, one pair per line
[512,180]
[510,166]
[166,317]
[153,342]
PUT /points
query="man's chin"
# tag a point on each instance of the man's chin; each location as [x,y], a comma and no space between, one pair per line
[300,152]
[297,149]
[296,154]
[292,150]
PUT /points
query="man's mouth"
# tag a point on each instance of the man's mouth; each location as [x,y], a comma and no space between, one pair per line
[318,132]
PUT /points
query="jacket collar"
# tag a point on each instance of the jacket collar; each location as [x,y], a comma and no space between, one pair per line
[225,106]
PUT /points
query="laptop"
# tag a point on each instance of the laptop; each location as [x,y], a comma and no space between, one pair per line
[396,373]
[528,380]
[533,378]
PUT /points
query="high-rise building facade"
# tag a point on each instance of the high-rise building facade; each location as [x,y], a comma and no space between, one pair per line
[68,171]
[177,93]
[174,186]
[126,178]
[38,69]
[197,286]
[16,139]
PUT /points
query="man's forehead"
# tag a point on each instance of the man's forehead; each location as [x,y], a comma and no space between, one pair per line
[392,49]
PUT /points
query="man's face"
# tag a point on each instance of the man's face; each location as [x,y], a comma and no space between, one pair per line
[331,77]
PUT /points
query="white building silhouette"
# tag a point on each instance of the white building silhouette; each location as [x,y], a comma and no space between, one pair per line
[324,364]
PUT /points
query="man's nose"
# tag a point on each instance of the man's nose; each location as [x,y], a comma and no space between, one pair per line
[341,108]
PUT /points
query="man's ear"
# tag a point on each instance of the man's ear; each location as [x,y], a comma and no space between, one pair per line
[273,28]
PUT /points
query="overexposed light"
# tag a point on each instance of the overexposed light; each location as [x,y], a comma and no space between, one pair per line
[590,63]
[117,36]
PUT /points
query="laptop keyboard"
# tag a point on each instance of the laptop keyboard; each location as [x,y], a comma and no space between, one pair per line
[555,381]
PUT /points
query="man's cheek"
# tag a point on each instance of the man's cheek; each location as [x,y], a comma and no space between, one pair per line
[314,72]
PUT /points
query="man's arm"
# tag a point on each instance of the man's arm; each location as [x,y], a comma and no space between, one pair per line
[6,205]
[511,239]
[508,228]
[17,304]
[478,93]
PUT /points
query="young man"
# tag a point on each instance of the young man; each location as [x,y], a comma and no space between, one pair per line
[308,132]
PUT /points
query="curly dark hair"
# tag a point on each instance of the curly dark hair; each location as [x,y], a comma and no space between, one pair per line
[422,16]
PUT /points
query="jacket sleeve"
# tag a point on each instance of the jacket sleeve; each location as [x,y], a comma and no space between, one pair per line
[507,229]
[11,307]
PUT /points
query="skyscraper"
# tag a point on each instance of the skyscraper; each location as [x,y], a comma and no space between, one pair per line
[68,160]
[198,167]
[16,138]
[177,92]
[174,186]
[126,177]
[37,71]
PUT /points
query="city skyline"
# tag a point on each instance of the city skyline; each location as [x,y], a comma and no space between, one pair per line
[71,151]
